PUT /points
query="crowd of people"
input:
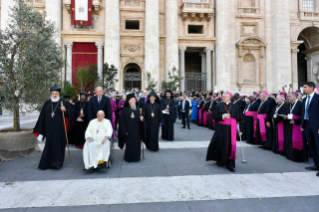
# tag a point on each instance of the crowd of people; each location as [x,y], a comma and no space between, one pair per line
[286,123]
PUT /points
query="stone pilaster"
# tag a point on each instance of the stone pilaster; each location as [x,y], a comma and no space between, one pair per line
[203,56]
[208,51]
[68,74]
[99,46]
[112,35]
[268,37]
[152,39]
[171,42]
[53,9]
[294,69]
[182,50]
[281,54]
[222,45]
[5,10]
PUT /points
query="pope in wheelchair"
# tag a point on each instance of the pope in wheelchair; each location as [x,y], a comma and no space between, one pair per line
[97,147]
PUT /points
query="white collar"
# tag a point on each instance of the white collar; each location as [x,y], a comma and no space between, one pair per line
[311,95]
[227,103]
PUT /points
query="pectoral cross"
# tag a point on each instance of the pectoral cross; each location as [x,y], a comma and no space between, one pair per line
[52,114]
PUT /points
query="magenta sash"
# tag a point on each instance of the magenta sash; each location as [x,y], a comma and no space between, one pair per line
[281,137]
[213,122]
[297,139]
[113,124]
[233,125]
[200,116]
[254,115]
[262,126]
[205,118]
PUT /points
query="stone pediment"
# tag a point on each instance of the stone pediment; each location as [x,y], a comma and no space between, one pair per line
[251,41]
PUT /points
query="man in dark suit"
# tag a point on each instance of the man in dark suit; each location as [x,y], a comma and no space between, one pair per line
[99,102]
[310,122]
[184,109]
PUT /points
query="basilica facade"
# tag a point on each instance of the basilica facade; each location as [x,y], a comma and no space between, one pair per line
[242,45]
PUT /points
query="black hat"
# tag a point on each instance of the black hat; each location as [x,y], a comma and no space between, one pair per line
[168,91]
[128,97]
[55,88]
[152,93]
[83,93]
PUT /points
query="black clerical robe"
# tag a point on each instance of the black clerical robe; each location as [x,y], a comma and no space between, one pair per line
[168,119]
[72,132]
[210,123]
[153,117]
[278,142]
[241,105]
[264,134]
[130,134]
[296,148]
[81,123]
[221,146]
[250,121]
[53,131]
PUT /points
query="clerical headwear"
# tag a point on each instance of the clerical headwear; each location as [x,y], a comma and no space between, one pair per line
[128,97]
[168,91]
[83,93]
[55,88]
[152,93]
[282,96]
[265,92]
[230,94]
[295,94]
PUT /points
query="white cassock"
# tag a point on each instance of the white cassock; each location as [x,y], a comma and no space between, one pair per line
[95,153]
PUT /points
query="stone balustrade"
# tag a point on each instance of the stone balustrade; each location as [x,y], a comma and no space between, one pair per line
[308,15]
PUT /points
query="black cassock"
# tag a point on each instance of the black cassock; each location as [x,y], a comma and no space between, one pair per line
[249,123]
[72,131]
[53,131]
[199,113]
[130,125]
[265,108]
[276,120]
[209,117]
[241,105]
[220,145]
[151,124]
[293,153]
[168,119]
[80,126]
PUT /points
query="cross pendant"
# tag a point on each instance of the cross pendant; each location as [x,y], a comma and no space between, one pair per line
[52,114]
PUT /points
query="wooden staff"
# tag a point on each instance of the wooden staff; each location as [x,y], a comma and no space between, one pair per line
[66,135]
[143,156]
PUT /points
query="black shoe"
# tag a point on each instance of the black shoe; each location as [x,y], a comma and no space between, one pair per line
[317,174]
[312,168]
[231,169]
[183,127]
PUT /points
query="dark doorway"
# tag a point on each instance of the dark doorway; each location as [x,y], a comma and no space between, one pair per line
[194,78]
[302,66]
[132,77]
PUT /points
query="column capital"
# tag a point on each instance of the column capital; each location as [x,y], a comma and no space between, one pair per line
[294,51]
[202,54]
[68,44]
[209,48]
[99,44]
[182,48]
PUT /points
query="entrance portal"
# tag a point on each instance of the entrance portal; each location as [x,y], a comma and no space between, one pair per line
[132,77]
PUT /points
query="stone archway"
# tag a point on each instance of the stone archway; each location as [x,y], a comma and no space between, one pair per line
[132,78]
[307,55]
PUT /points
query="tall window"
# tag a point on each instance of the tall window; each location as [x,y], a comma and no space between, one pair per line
[308,5]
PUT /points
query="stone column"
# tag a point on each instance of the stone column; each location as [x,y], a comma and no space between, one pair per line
[68,70]
[112,36]
[208,51]
[53,9]
[152,39]
[203,55]
[281,54]
[294,68]
[182,50]
[268,37]
[5,10]
[309,67]
[99,46]
[222,45]
[171,29]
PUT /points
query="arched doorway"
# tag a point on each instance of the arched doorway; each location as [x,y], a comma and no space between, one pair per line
[132,77]
[308,55]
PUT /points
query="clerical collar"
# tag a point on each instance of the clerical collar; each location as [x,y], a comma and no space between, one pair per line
[227,103]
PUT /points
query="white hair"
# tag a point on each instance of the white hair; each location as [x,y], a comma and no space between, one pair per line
[101,111]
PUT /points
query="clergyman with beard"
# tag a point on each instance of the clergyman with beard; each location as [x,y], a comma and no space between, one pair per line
[130,129]
[50,127]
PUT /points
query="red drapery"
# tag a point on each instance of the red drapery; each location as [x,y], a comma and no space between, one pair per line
[85,23]
[82,54]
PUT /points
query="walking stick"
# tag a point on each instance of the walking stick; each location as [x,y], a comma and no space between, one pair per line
[143,156]
[66,135]
[242,148]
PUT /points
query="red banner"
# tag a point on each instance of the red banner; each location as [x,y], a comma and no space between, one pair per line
[81,22]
